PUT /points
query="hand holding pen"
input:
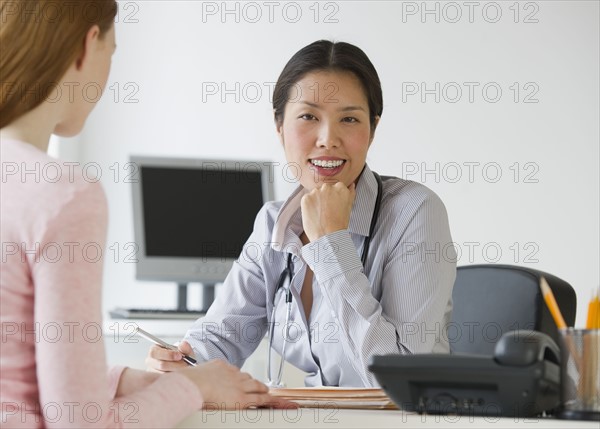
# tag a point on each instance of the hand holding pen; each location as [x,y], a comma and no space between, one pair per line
[222,385]
[186,355]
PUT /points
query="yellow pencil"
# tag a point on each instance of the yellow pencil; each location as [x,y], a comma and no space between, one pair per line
[559,320]
[593,316]
[552,305]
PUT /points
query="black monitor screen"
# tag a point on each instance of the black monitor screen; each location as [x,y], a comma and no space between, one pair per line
[199,213]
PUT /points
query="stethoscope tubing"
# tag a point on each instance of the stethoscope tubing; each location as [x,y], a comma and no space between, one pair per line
[289,272]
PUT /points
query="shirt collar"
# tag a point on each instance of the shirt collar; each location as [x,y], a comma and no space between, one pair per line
[288,225]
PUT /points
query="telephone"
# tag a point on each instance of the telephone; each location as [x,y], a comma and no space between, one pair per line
[521,379]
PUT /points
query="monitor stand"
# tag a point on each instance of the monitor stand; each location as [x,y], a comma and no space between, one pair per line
[208,296]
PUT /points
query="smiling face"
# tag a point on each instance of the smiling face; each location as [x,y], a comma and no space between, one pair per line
[326,130]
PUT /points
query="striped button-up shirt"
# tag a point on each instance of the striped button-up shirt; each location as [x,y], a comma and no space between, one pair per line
[400,302]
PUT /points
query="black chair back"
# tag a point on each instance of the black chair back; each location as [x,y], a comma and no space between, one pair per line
[490,300]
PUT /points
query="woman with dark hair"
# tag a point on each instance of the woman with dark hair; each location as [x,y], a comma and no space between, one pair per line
[53,371]
[351,264]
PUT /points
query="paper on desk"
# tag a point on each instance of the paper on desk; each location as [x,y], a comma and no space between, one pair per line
[336,397]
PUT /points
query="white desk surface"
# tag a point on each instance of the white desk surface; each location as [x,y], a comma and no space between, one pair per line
[333,418]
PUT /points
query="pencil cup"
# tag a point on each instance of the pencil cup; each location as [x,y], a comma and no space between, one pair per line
[580,374]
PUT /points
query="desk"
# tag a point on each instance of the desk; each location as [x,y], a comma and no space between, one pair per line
[332,418]
[132,351]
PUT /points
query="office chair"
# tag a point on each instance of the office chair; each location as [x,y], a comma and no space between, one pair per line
[490,300]
[478,378]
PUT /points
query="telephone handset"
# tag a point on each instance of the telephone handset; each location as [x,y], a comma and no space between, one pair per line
[525,347]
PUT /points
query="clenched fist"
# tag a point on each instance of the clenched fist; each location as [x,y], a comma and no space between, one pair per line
[327,209]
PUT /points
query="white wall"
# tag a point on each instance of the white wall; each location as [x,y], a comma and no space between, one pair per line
[546,217]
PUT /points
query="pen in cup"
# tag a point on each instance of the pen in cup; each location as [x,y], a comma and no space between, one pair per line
[187,359]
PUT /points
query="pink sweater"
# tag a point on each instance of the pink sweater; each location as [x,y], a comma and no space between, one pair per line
[53,370]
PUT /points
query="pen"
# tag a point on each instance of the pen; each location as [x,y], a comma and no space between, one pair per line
[187,359]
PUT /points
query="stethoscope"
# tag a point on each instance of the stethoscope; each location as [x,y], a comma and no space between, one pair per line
[288,273]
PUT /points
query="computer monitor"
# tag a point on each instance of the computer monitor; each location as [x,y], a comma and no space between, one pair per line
[192,217]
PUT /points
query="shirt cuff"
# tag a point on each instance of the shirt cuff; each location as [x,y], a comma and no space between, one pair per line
[332,255]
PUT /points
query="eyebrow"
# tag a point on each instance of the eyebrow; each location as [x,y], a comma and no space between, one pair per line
[343,109]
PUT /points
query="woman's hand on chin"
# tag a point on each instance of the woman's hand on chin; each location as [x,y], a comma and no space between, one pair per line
[327,209]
